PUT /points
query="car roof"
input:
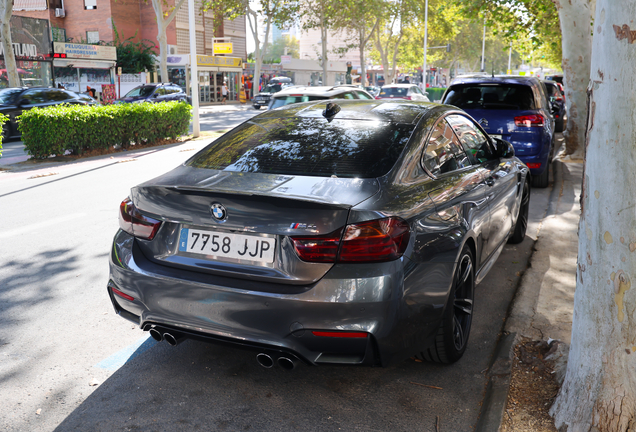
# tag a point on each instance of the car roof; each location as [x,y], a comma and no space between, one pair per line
[327,91]
[394,111]
[496,79]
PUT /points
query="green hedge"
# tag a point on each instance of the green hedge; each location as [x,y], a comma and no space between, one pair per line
[3,120]
[79,128]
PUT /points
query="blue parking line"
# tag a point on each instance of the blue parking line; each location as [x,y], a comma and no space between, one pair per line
[120,358]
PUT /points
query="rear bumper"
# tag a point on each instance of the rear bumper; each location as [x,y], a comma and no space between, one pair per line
[274,322]
[257,102]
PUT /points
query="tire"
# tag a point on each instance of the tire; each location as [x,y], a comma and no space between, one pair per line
[519,232]
[558,126]
[452,336]
[256,107]
[542,181]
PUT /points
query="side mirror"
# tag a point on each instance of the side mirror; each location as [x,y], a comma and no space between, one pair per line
[505,150]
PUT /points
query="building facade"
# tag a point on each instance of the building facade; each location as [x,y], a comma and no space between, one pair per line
[85,22]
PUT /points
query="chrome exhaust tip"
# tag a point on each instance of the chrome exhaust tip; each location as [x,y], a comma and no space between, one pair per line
[287,363]
[155,334]
[172,339]
[265,360]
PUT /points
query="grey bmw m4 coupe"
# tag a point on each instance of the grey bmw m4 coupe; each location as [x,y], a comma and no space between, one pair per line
[346,232]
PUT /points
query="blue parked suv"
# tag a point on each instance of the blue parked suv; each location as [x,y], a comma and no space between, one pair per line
[514,108]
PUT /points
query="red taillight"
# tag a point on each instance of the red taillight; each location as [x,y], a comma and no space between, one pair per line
[373,241]
[531,120]
[407,97]
[558,98]
[318,248]
[340,334]
[121,294]
[534,165]
[378,97]
[134,223]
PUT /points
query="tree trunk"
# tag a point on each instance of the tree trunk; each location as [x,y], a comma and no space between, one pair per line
[363,70]
[252,19]
[599,391]
[323,37]
[575,17]
[162,25]
[7,45]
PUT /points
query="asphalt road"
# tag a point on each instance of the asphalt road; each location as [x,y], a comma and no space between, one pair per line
[59,334]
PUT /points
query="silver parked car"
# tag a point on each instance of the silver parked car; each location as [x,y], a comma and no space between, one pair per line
[296,94]
[348,232]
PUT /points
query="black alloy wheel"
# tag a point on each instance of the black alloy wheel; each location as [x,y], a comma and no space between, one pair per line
[521,226]
[452,337]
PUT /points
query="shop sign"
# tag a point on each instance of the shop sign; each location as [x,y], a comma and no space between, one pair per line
[30,38]
[223,48]
[236,62]
[85,51]
[285,59]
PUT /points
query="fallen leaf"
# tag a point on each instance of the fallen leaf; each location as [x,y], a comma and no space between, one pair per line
[93,382]
[39,410]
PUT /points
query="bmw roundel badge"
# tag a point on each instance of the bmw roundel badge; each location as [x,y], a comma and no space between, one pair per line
[218,212]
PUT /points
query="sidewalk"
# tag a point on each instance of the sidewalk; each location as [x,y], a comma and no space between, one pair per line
[542,308]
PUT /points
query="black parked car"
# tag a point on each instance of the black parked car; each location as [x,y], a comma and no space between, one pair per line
[275,85]
[156,92]
[13,101]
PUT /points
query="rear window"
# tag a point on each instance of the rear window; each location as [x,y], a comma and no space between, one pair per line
[394,91]
[286,100]
[308,146]
[500,96]
[552,90]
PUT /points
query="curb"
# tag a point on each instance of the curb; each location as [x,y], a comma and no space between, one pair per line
[500,369]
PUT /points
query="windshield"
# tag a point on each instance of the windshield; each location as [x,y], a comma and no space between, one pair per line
[7,95]
[144,91]
[286,100]
[394,91]
[272,88]
[308,146]
[488,96]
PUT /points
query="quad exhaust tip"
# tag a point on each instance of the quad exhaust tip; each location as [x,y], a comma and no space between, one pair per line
[155,334]
[173,340]
[265,360]
[287,363]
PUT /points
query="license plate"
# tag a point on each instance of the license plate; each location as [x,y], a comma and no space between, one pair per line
[226,245]
[496,136]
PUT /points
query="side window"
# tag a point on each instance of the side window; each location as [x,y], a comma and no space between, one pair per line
[160,91]
[361,95]
[34,96]
[475,143]
[56,95]
[440,155]
[348,96]
[175,89]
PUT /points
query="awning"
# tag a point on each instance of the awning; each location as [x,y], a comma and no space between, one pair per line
[87,64]
[29,5]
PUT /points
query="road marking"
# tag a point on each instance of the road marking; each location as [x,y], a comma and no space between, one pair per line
[120,358]
[38,225]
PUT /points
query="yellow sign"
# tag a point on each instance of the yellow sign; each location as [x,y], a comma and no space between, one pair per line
[119,70]
[236,62]
[223,48]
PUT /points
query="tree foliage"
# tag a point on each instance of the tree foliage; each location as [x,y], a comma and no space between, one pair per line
[277,49]
[133,57]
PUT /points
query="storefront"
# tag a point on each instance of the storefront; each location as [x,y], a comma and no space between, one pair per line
[178,66]
[32,48]
[213,72]
[78,66]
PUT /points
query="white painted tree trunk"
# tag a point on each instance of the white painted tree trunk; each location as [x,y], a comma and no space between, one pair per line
[6,9]
[599,391]
[575,17]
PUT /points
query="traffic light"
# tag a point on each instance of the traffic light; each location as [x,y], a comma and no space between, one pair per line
[448,48]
